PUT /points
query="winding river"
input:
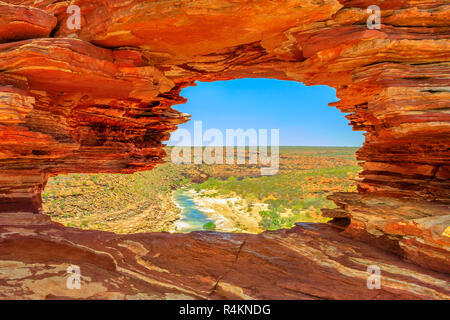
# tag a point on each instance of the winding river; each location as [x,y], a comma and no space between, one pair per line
[192,219]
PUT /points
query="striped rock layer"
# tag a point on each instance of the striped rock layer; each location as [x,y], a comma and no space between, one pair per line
[100,99]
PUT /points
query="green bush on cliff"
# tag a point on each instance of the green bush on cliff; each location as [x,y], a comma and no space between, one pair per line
[211,226]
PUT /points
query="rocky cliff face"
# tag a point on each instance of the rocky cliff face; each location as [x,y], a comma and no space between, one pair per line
[99,98]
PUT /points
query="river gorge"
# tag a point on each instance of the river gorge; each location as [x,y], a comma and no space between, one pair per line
[102,100]
[206,210]
[192,218]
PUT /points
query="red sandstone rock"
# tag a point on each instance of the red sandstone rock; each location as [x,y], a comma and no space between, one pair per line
[21,22]
[311,261]
[99,99]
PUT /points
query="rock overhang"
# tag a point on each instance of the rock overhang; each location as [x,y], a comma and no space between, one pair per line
[99,99]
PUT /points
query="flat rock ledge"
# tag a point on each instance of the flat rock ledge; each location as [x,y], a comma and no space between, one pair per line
[309,261]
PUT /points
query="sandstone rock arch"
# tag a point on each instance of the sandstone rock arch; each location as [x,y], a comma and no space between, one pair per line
[100,99]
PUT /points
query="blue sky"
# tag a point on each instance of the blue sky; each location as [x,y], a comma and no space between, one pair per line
[301,113]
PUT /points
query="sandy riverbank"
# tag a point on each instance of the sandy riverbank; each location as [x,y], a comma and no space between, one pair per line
[232,214]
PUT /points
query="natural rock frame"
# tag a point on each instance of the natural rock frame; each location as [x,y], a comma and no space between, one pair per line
[99,99]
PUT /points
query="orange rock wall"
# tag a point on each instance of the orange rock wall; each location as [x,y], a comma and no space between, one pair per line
[100,99]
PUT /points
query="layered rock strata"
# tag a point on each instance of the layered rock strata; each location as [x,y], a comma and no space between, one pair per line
[99,98]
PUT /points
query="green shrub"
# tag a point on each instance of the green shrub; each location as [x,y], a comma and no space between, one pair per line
[211,226]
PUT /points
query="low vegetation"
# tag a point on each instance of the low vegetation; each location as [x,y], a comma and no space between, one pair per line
[142,201]
[291,196]
[211,226]
[115,202]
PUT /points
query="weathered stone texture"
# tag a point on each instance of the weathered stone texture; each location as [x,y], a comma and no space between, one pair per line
[100,99]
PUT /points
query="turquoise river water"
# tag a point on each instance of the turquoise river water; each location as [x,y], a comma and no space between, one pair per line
[192,219]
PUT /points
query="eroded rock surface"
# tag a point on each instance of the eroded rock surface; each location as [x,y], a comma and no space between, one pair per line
[99,99]
[310,261]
